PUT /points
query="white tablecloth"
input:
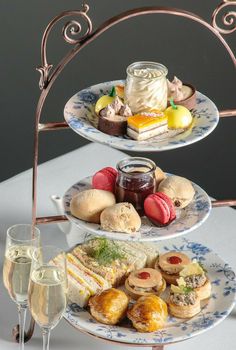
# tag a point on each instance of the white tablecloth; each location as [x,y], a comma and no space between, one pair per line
[55,176]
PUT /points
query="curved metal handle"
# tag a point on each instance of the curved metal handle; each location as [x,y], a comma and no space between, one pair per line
[228,113]
[224,203]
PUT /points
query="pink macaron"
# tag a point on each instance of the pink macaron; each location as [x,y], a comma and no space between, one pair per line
[105,179]
[159,208]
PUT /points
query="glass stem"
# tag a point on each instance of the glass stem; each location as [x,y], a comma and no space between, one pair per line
[22,316]
[46,338]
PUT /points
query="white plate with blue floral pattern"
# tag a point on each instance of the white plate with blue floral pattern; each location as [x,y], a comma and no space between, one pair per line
[187,219]
[80,115]
[213,311]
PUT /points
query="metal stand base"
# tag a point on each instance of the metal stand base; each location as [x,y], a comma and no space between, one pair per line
[27,336]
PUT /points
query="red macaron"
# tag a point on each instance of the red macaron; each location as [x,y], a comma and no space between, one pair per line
[105,179]
[158,207]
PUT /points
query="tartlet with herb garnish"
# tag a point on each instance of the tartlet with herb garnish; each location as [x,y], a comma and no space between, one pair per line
[195,277]
[183,301]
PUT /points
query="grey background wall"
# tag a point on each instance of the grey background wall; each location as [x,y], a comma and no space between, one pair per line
[188,50]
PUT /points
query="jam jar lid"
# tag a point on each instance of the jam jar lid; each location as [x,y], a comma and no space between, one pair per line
[136,166]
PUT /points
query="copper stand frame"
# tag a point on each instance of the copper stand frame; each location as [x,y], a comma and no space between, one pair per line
[72,34]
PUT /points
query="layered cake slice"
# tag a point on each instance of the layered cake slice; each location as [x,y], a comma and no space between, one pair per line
[146,125]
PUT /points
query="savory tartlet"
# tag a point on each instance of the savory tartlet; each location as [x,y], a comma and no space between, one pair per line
[195,277]
[145,282]
[110,306]
[170,264]
[148,314]
[183,301]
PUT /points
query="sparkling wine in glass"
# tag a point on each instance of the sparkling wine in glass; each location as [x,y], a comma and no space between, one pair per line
[21,241]
[47,289]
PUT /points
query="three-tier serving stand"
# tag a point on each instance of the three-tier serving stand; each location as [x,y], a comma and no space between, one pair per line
[72,34]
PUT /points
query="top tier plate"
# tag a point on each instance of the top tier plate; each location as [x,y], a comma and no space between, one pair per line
[80,115]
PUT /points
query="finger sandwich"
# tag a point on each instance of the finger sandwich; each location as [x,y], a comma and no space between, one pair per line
[146,125]
[82,282]
[149,249]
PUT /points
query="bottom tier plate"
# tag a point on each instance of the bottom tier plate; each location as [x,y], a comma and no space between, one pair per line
[214,311]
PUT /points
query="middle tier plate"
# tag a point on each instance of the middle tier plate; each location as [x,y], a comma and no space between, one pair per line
[187,219]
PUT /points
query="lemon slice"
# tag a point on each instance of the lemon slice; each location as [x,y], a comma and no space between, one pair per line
[192,269]
[176,289]
[103,102]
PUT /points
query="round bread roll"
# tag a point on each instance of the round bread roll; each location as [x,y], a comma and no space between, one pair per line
[121,217]
[179,189]
[88,205]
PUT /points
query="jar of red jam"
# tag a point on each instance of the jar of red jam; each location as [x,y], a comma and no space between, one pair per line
[135,181]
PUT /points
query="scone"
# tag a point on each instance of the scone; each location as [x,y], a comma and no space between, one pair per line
[148,314]
[170,265]
[110,306]
[88,205]
[121,217]
[179,189]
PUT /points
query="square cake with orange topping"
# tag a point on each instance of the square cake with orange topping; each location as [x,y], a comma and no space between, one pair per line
[145,125]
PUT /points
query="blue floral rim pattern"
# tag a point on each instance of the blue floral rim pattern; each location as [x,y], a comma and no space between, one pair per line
[214,311]
[80,115]
[186,221]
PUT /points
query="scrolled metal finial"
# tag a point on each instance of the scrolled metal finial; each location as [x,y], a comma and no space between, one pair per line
[44,75]
[71,33]
[228,19]
[74,28]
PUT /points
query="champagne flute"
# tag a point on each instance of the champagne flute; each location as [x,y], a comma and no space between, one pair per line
[21,241]
[48,289]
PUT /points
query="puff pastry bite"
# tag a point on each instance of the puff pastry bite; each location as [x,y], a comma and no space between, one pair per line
[170,264]
[110,306]
[145,282]
[148,314]
[183,301]
[195,277]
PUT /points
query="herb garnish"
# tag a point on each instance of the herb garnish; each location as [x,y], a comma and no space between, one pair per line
[106,251]
[187,290]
